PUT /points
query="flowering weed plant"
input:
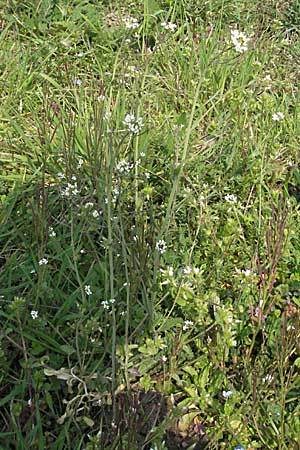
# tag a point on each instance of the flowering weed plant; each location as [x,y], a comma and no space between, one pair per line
[149,244]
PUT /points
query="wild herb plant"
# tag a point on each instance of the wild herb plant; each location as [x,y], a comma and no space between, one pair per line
[149,249]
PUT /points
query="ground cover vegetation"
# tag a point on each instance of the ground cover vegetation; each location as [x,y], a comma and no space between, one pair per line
[149,224]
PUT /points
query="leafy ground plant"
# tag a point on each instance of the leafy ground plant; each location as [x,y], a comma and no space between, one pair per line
[149,245]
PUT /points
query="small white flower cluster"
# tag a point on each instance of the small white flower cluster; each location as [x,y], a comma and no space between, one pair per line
[278,117]
[80,163]
[88,290]
[124,167]
[227,394]
[52,232]
[115,193]
[246,272]
[268,80]
[169,26]
[134,125]
[161,246]
[170,271]
[132,71]
[78,82]
[71,189]
[107,115]
[231,198]
[202,201]
[268,378]
[107,303]
[239,40]
[189,270]
[131,23]
[95,214]
[187,324]
[34,314]
[43,262]
[168,276]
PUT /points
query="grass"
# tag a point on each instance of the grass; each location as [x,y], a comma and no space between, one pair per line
[149,245]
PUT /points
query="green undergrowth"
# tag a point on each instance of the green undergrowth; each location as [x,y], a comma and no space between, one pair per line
[149,225]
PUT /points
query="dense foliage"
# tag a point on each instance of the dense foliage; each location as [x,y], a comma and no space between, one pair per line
[149,225]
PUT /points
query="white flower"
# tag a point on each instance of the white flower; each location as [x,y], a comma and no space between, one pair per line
[78,82]
[161,246]
[105,304]
[196,270]
[107,115]
[134,125]
[124,167]
[239,40]
[231,198]
[247,272]
[227,394]
[187,270]
[132,70]
[170,271]
[268,377]
[101,97]
[164,358]
[169,26]
[95,214]
[268,81]
[187,324]
[87,289]
[34,314]
[277,117]
[43,262]
[80,54]
[131,23]
[70,189]
[80,163]
[202,201]
[51,232]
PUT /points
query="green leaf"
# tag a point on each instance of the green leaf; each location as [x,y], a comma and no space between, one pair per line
[68,349]
[88,421]
[16,391]
[154,8]
[145,382]
[146,365]
[190,370]
[297,362]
